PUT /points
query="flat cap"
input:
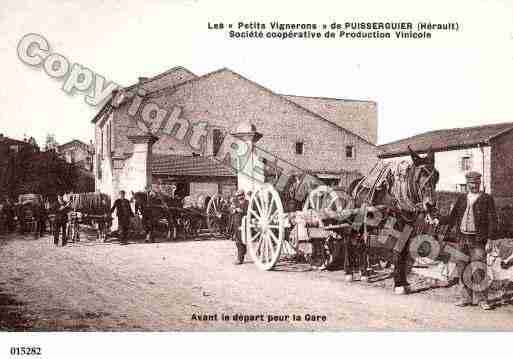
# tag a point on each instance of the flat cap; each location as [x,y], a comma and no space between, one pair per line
[473,176]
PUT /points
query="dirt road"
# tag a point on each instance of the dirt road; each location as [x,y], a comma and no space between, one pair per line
[166,286]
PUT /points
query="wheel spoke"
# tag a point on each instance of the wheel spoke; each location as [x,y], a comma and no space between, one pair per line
[254,214]
[267,248]
[263,250]
[273,236]
[259,207]
[272,208]
[253,238]
[311,204]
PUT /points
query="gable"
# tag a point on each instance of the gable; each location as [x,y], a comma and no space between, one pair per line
[357,116]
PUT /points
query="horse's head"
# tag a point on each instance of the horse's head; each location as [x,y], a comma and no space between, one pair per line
[425,178]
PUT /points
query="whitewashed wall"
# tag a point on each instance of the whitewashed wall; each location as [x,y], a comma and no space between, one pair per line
[451,175]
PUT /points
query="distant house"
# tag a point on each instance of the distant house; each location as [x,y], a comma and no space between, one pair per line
[77,152]
[16,145]
[487,149]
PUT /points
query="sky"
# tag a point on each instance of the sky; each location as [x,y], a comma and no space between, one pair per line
[454,79]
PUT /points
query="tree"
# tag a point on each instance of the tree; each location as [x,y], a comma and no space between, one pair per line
[50,143]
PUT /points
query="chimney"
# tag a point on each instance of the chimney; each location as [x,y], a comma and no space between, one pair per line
[142,79]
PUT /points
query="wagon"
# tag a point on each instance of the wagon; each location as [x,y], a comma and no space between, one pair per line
[268,230]
[217,213]
[89,208]
[28,210]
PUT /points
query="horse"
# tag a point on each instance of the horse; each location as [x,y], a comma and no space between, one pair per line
[406,190]
[155,207]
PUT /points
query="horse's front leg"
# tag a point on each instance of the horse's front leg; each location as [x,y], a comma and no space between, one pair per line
[348,263]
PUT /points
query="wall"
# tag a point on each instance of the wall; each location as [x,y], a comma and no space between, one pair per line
[448,165]
[360,117]
[502,165]
[224,99]
[209,188]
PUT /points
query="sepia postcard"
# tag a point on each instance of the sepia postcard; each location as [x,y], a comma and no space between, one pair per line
[339,167]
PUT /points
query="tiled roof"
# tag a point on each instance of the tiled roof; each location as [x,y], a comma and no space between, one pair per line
[11,141]
[176,165]
[76,143]
[444,140]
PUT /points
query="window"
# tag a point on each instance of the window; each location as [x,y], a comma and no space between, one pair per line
[466,163]
[349,151]
[299,148]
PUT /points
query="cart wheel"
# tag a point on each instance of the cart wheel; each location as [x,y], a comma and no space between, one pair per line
[265,228]
[324,197]
[214,213]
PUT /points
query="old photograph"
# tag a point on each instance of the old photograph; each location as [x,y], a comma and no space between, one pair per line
[193,166]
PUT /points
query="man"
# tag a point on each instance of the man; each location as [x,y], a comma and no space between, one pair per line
[476,220]
[124,214]
[238,212]
[61,220]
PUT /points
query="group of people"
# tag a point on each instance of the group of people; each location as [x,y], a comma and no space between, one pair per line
[474,218]
[12,216]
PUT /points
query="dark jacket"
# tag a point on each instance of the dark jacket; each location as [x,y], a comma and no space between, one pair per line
[61,211]
[240,211]
[123,209]
[484,215]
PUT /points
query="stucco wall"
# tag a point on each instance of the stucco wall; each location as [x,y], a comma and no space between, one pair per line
[451,175]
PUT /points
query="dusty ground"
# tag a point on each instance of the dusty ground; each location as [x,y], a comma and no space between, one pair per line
[158,287]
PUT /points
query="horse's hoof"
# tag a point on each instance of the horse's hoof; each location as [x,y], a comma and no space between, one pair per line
[348,277]
[400,290]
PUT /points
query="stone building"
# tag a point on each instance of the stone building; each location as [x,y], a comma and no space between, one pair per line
[77,152]
[487,149]
[169,129]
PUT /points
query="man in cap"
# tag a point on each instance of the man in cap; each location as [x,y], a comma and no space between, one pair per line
[239,211]
[476,222]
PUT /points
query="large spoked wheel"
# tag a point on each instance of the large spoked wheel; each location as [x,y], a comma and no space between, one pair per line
[215,215]
[265,228]
[324,197]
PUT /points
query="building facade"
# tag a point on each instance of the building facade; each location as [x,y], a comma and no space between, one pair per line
[487,149]
[169,129]
[78,153]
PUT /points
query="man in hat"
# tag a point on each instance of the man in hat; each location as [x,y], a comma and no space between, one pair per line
[239,211]
[476,222]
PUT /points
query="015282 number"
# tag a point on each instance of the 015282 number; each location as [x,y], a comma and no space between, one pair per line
[25,350]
